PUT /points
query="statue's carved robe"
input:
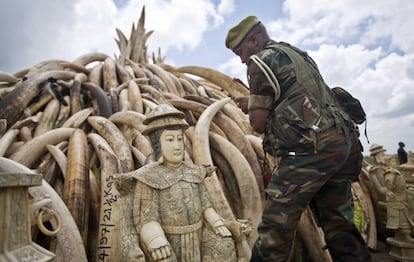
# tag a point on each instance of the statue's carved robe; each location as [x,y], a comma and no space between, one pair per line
[397,204]
[175,198]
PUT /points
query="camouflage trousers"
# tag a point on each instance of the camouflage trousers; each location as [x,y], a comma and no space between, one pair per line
[325,179]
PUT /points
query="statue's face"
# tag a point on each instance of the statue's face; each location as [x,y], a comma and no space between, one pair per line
[172,146]
[380,157]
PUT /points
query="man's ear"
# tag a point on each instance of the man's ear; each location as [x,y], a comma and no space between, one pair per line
[253,41]
[248,41]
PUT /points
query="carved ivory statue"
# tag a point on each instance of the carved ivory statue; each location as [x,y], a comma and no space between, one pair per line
[377,170]
[408,171]
[377,184]
[171,211]
[399,218]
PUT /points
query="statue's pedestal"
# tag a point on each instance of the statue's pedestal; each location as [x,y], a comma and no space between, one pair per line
[400,250]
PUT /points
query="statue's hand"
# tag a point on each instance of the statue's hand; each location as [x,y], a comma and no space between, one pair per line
[216,222]
[159,248]
[222,231]
[390,194]
[210,169]
[154,238]
[220,228]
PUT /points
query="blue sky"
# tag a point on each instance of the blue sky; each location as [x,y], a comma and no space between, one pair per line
[365,46]
[211,49]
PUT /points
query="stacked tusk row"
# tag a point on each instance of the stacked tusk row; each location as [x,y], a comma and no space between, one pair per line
[78,145]
[78,123]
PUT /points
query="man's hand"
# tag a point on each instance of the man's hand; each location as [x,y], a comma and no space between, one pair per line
[258,119]
[242,102]
[239,229]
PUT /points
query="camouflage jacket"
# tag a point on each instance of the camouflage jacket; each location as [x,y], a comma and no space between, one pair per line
[303,108]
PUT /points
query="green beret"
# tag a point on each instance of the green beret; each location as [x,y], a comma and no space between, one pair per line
[239,32]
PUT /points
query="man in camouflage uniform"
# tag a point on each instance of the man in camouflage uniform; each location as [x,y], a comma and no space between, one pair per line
[320,154]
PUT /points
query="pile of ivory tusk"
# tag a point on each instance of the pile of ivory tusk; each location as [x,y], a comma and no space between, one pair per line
[90,128]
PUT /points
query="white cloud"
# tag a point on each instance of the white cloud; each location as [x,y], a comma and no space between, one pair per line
[59,29]
[177,24]
[340,65]
[325,21]
[391,85]
[226,7]
[235,69]
[92,18]
[180,24]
